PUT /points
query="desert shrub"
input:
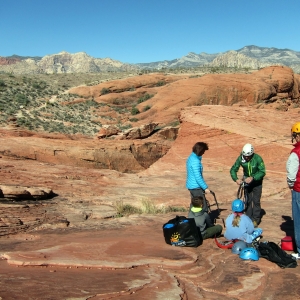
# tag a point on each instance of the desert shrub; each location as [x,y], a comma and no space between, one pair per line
[144,98]
[147,107]
[105,91]
[135,111]
[125,209]
[215,69]
[39,85]
[174,123]
[203,99]
[2,83]
[22,99]
[133,119]
[148,207]
[124,127]
[117,101]
[161,83]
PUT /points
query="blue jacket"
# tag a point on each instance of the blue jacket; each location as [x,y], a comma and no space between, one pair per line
[194,169]
[243,232]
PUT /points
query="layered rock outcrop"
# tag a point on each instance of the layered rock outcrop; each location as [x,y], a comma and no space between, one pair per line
[266,85]
[124,156]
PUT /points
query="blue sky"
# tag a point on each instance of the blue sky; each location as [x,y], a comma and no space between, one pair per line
[136,31]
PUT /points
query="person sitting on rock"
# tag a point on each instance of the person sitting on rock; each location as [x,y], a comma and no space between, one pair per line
[239,226]
[202,219]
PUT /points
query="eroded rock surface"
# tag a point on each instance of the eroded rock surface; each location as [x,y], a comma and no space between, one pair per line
[125,156]
[74,248]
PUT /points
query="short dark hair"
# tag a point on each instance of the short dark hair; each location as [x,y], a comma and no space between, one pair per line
[197,201]
[199,148]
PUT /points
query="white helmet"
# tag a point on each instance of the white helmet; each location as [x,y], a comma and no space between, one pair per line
[248,150]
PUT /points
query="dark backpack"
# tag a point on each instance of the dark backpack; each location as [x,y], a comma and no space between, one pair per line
[183,232]
[274,253]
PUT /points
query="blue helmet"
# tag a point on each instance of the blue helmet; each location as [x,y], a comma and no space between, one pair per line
[237,205]
[249,254]
[238,247]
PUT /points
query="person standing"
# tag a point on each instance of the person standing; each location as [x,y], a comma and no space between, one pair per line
[195,182]
[293,181]
[254,172]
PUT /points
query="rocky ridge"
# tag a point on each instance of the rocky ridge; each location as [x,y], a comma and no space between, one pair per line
[252,57]
[247,57]
[65,62]
[234,59]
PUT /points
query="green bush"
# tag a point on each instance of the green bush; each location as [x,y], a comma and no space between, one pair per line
[133,119]
[147,107]
[125,127]
[161,83]
[2,83]
[144,98]
[135,111]
[22,99]
[105,91]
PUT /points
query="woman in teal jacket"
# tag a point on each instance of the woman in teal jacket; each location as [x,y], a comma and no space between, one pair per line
[254,171]
[195,182]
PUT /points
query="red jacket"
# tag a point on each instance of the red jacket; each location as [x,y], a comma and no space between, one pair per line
[297,182]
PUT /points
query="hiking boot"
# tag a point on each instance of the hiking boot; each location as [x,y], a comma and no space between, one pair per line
[255,242]
[296,255]
[255,224]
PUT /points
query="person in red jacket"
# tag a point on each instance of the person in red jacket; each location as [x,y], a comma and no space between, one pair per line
[293,181]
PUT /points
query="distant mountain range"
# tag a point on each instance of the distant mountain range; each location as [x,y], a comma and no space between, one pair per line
[252,57]
[247,57]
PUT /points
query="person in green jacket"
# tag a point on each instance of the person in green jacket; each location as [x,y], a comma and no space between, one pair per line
[254,171]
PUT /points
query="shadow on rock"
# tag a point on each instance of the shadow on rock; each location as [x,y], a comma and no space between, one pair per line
[287,226]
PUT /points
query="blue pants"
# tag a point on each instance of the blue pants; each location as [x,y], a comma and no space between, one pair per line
[296,217]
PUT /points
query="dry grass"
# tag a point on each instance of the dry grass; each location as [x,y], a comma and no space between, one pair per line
[147,207]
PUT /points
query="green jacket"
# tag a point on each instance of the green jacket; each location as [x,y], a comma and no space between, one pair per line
[254,168]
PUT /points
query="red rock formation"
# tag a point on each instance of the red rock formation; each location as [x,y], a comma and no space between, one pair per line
[266,85]
[8,61]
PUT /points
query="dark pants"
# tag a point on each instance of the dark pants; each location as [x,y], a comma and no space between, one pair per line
[197,193]
[213,231]
[253,195]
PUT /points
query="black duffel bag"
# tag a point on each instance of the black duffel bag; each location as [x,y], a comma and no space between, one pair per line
[273,253]
[183,232]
